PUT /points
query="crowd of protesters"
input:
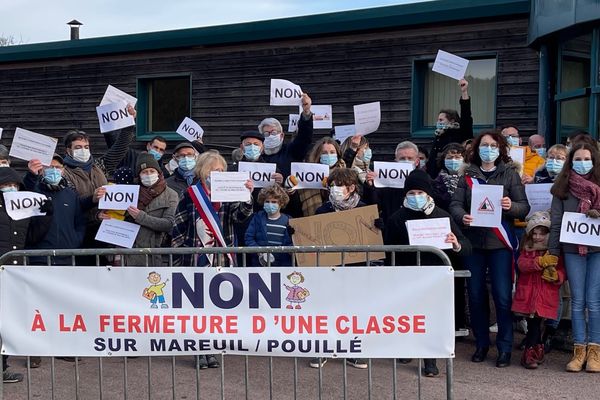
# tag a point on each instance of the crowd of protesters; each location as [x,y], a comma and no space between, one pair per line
[440,186]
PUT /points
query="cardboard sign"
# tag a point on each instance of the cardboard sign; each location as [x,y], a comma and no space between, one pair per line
[114,116]
[450,65]
[293,123]
[27,145]
[119,233]
[260,173]
[539,197]
[342,132]
[114,95]
[344,228]
[485,205]
[577,228]
[229,187]
[285,93]
[309,175]
[391,174]
[322,117]
[190,130]
[429,232]
[367,117]
[119,197]
[21,205]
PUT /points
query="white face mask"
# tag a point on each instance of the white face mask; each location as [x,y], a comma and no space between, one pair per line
[273,141]
[149,179]
[337,193]
[81,155]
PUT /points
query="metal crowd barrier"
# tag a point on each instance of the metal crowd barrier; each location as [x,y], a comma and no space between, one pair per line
[168,254]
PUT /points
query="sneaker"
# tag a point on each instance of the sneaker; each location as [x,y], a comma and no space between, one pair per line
[201,362]
[212,361]
[317,362]
[357,363]
[164,305]
[11,377]
[529,358]
[153,306]
[539,353]
[430,369]
[494,328]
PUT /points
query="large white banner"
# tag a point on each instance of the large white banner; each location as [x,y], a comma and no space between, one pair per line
[142,311]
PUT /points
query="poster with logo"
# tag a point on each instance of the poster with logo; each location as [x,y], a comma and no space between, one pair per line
[485,205]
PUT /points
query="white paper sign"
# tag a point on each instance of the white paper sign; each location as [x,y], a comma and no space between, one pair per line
[342,132]
[21,205]
[391,174]
[190,129]
[228,187]
[485,205]
[309,175]
[27,145]
[119,233]
[285,93]
[322,117]
[260,173]
[293,123]
[517,154]
[429,232]
[577,228]
[539,197]
[367,117]
[114,95]
[119,197]
[450,65]
[1,132]
[114,116]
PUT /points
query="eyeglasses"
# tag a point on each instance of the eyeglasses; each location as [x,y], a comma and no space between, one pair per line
[490,145]
[270,133]
[561,158]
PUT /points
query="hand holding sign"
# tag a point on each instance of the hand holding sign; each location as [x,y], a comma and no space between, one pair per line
[450,65]
[29,145]
[119,197]
[115,116]
[286,93]
[21,205]
[190,130]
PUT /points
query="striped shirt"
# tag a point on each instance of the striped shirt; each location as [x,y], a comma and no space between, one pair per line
[275,231]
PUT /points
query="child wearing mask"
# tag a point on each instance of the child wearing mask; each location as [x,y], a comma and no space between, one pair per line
[270,227]
[450,165]
[343,194]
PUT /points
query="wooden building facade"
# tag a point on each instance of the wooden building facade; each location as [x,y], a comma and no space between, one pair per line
[220,76]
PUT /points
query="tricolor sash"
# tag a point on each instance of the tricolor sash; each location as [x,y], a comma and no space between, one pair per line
[208,215]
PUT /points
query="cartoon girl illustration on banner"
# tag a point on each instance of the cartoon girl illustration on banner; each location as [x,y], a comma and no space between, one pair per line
[297,294]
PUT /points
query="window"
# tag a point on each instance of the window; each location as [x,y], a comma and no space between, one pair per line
[163,103]
[433,92]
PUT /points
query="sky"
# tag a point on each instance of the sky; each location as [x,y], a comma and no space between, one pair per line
[34,21]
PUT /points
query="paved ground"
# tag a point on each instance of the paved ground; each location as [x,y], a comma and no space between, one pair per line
[471,381]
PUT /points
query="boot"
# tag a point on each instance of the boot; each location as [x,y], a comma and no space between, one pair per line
[539,353]
[579,355]
[529,358]
[593,358]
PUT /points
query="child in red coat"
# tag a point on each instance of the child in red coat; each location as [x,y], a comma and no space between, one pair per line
[537,295]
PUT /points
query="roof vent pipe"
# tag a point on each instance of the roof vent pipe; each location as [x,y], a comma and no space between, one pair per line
[74,29]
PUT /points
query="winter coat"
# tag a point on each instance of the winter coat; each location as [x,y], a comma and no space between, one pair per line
[557,209]
[505,175]
[535,295]
[294,151]
[256,235]
[327,207]
[533,162]
[451,135]
[388,200]
[542,176]
[397,234]
[178,183]
[156,223]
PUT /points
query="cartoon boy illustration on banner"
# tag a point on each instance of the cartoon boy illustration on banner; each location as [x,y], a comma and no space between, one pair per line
[297,294]
[154,292]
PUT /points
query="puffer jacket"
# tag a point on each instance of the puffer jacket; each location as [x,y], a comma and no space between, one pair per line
[460,205]
[256,235]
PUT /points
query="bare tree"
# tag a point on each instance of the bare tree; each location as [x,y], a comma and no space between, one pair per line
[7,41]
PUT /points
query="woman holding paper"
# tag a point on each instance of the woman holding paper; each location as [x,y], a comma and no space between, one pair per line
[577,190]
[493,247]
[357,155]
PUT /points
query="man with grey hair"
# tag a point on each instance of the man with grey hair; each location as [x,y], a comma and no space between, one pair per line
[281,153]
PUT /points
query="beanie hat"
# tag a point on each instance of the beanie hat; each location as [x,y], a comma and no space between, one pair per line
[9,175]
[252,134]
[538,218]
[145,160]
[3,152]
[418,180]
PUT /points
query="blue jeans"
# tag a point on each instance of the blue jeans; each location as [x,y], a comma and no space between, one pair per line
[583,274]
[499,264]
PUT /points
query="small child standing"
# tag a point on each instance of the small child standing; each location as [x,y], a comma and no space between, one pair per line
[269,227]
[537,294]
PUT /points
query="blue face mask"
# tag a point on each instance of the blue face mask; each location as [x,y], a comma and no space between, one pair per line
[271,208]
[512,141]
[488,154]
[367,154]
[541,152]
[157,156]
[187,163]
[583,167]
[453,164]
[440,125]
[416,202]
[554,166]
[252,152]
[52,176]
[329,159]
[8,189]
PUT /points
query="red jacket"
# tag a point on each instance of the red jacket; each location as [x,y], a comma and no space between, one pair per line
[535,295]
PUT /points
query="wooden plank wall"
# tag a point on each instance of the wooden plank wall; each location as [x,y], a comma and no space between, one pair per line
[230,84]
